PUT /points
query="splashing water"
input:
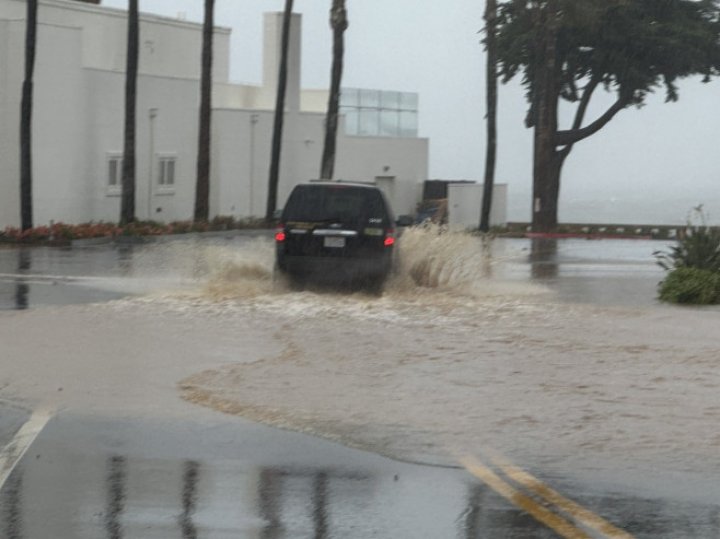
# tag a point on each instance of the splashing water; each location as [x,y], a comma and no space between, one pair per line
[241,273]
[430,261]
[433,257]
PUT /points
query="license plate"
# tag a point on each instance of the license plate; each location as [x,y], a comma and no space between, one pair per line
[334,242]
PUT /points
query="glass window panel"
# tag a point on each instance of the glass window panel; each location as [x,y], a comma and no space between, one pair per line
[408,101]
[389,123]
[390,100]
[408,124]
[352,121]
[170,172]
[113,172]
[370,98]
[349,97]
[161,172]
[369,121]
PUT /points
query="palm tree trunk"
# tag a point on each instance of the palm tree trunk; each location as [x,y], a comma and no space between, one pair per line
[202,191]
[26,106]
[127,204]
[338,23]
[276,150]
[491,99]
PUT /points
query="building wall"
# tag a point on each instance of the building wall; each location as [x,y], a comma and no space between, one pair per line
[163,112]
[165,44]
[241,160]
[314,100]
[400,162]
[11,39]
[272,32]
[465,205]
[59,164]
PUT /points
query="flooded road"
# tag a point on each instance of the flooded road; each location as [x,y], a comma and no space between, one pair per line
[555,355]
[605,272]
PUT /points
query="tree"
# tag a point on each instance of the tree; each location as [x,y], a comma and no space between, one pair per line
[491,104]
[26,108]
[338,23]
[276,150]
[127,203]
[202,189]
[566,49]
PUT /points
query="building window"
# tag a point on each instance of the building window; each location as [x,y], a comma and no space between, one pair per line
[372,113]
[166,173]
[114,174]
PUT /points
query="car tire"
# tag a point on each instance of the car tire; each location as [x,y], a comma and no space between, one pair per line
[296,282]
[375,285]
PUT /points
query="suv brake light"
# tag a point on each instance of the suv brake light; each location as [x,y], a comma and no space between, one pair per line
[389,238]
[280,234]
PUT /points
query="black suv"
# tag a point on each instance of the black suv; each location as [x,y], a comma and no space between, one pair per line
[337,231]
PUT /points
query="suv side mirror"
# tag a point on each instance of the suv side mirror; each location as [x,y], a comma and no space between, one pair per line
[405,220]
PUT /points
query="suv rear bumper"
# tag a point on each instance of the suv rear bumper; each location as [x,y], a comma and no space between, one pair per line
[336,267]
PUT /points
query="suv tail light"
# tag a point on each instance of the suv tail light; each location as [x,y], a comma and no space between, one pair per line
[280,234]
[389,237]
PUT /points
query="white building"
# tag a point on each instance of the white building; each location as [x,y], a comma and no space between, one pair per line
[79,107]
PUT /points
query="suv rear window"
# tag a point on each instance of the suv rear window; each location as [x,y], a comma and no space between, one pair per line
[343,203]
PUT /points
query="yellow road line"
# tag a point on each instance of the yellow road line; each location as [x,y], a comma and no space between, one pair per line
[577,512]
[524,502]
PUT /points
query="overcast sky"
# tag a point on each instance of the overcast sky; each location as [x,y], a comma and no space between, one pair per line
[662,156]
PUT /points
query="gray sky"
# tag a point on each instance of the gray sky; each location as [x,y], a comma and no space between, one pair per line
[646,165]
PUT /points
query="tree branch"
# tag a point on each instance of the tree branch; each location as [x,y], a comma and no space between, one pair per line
[571,136]
[581,110]
[584,102]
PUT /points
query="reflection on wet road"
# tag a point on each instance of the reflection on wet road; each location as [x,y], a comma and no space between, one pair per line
[189,498]
[87,478]
[81,479]
[115,496]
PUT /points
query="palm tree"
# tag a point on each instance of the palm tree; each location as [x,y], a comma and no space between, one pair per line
[26,106]
[202,190]
[338,23]
[127,203]
[491,99]
[279,113]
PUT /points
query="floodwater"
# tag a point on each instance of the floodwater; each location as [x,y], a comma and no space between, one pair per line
[605,272]
[552,352]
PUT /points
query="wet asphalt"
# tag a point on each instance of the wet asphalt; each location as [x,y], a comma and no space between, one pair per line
[95,477]
[90,477]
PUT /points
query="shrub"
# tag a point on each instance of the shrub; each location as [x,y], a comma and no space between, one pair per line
[222,222]
[61,233]
[180,227]
[698,247]
[691,286]
[693,263]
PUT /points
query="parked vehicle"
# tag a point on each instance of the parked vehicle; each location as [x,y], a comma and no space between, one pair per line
[336,231]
